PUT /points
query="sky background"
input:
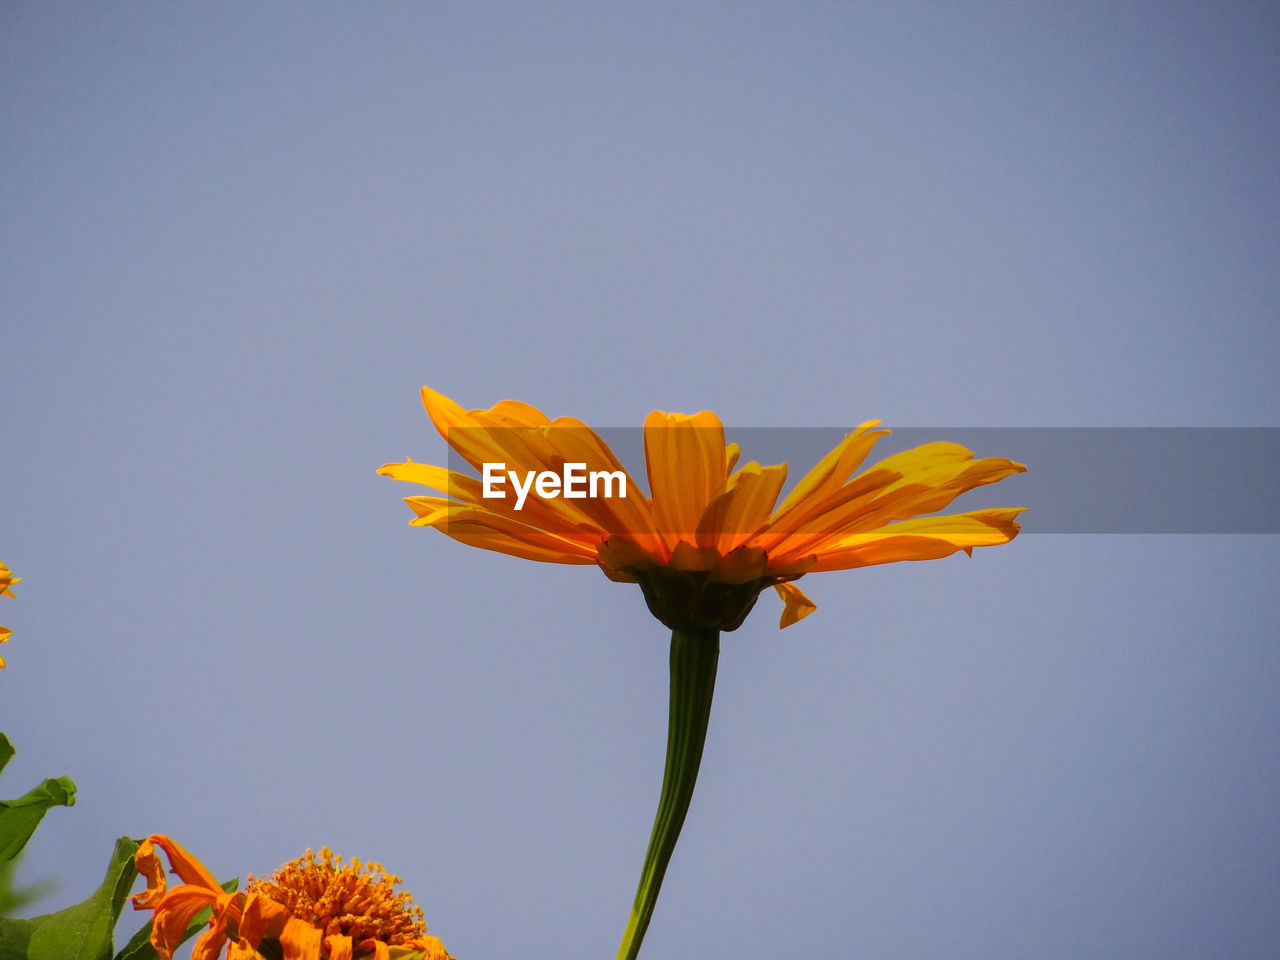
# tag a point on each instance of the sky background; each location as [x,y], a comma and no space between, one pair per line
[237,238]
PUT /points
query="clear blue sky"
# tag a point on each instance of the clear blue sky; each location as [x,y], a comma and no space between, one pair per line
[237,238]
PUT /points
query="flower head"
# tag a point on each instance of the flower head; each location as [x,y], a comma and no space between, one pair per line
[7,579]
[312,907]
[708,537]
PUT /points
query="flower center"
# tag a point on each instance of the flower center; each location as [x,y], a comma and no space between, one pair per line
[684,599]
[357,900]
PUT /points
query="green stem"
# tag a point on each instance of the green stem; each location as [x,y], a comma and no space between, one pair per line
[693,682]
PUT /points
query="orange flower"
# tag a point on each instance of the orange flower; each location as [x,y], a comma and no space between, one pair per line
[313,908]
[707,539]
[7,579]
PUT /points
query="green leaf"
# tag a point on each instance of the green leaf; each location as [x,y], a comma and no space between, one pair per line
[19,818]
[81,932]
[139,946]
[6,751]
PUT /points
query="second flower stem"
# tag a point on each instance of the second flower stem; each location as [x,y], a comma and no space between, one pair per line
[694,654]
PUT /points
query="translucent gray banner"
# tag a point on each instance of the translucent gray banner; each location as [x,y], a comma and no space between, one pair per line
[1078,479]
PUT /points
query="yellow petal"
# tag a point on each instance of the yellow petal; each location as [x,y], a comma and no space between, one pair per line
[174,912]
[620,557]
[472,436]
[554,515]
[482,528]
[906,484]
[457,485]
[148,864]
[742,508]
[693,559]
[300,941]
[685,457]
[188,868]
[798,606]
[521,438]
[923,538]
[741,565]
[210,945]
[261,917]
[832,470]
[933,488]
[6,580]
[731,454]
[512,413]
[539,546]
[572,441]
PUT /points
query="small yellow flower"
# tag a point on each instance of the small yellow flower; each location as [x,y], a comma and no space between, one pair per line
[314,908]
[708,538]
[7,579]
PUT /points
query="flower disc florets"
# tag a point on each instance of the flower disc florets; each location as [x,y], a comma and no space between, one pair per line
[357,901]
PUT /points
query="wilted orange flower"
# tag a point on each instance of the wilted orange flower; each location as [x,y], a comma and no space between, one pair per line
[708,538]
[7,579]
[312,907]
